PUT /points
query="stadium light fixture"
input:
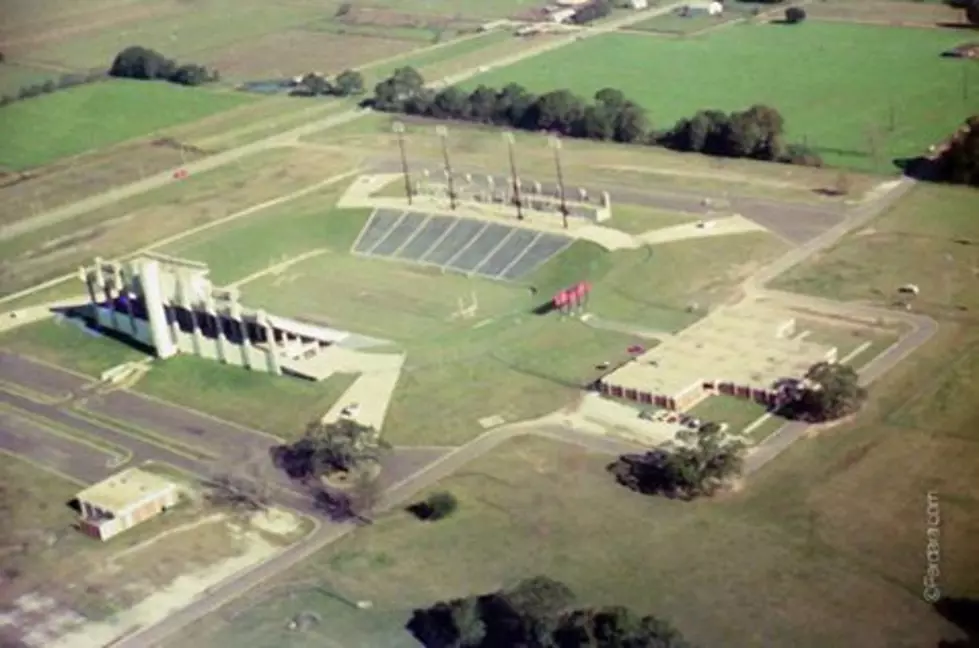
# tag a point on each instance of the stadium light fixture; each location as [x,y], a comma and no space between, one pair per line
[443,134]
[399,130]
[509,139]
[555,143]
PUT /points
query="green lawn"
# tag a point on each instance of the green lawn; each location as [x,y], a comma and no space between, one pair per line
[793,539]
[44,129]
[738,413]
[935,226]
[435,55]
[273,404]
[67,345]
[838,84]
[634,219]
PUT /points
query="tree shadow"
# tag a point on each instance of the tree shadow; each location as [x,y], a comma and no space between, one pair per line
[964,613]
[920,168]
[958,25]
[647,474]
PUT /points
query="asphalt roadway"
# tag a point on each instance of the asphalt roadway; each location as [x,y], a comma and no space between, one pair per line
[797,223]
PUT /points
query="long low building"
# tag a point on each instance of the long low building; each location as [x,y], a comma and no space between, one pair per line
[748,353]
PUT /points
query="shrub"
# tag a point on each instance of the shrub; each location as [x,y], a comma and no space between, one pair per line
[795,15]
[437,506]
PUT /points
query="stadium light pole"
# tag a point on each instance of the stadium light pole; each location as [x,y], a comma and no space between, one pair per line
[399,130]
[443,134]
[508,138]
[555,143]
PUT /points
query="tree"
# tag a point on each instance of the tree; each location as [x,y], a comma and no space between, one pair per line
[3,57]
[794,15]
[830,391]
[482,104]
[436,506]
[972,12]
[136,62]
[349,83]
[344,445]
[705,460]
[365,494]
[559,111]
[537,613]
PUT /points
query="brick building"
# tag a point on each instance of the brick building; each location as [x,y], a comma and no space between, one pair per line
[123,501]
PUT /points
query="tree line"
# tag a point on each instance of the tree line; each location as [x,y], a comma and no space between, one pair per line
[63,82]
[538,612]
[137,62]
[346,84]
[757,132]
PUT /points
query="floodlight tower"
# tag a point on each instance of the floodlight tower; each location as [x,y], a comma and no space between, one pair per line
[399,130]
[508,138]
[555,143]
[443,134]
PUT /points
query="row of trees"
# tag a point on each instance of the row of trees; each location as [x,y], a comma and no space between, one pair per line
[52,85]
[960,162]
[538,613]
[142,63]
[706,459]
[346,84]
[757,132]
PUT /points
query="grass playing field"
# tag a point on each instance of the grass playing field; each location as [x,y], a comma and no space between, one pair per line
[40,130]
[837,90]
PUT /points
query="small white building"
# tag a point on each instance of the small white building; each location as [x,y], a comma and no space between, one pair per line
[715,9]
[639,5]
[563,15]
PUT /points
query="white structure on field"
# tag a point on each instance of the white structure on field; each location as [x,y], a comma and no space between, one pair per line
[169,305]
[715,9]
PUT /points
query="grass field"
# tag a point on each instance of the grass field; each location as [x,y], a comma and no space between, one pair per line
[44,129]
[847,72]
[151,217]
[67,345]
[792,539]
[936,226]
[738,413]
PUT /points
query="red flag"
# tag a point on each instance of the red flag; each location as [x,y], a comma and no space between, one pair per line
[560,299]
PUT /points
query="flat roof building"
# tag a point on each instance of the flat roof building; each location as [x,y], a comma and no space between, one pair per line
[123,501]
[743,351]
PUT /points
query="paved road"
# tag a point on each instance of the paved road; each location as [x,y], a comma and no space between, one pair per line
[797,223]
[37,377]
[25,437]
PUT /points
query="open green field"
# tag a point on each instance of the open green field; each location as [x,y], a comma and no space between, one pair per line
[44,129]
[933,225]
[433,56]
[804,538]
[837,89]
[738,413]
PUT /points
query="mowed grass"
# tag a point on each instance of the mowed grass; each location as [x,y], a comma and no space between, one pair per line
[935,226]
[837,87]
[809,540]
[44,129]
[13,77]
[68,345]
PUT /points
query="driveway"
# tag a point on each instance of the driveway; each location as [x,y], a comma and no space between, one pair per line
[23,436]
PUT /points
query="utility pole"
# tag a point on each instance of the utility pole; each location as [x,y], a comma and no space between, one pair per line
[399,130]
[555,143]
[508,138]
[443,134]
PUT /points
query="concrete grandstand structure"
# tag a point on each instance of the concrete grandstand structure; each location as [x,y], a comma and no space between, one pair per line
[171,306]
[746,351]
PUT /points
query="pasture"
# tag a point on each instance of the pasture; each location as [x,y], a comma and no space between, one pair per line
[838,93]
[69,122]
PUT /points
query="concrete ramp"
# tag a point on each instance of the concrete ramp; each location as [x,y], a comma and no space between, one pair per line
[372,391]
[724,226]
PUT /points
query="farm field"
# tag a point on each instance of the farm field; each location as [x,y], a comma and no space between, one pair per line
[41,130]
[887,12]
[904,113]
[433,56]
[150,218]
[594,163]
